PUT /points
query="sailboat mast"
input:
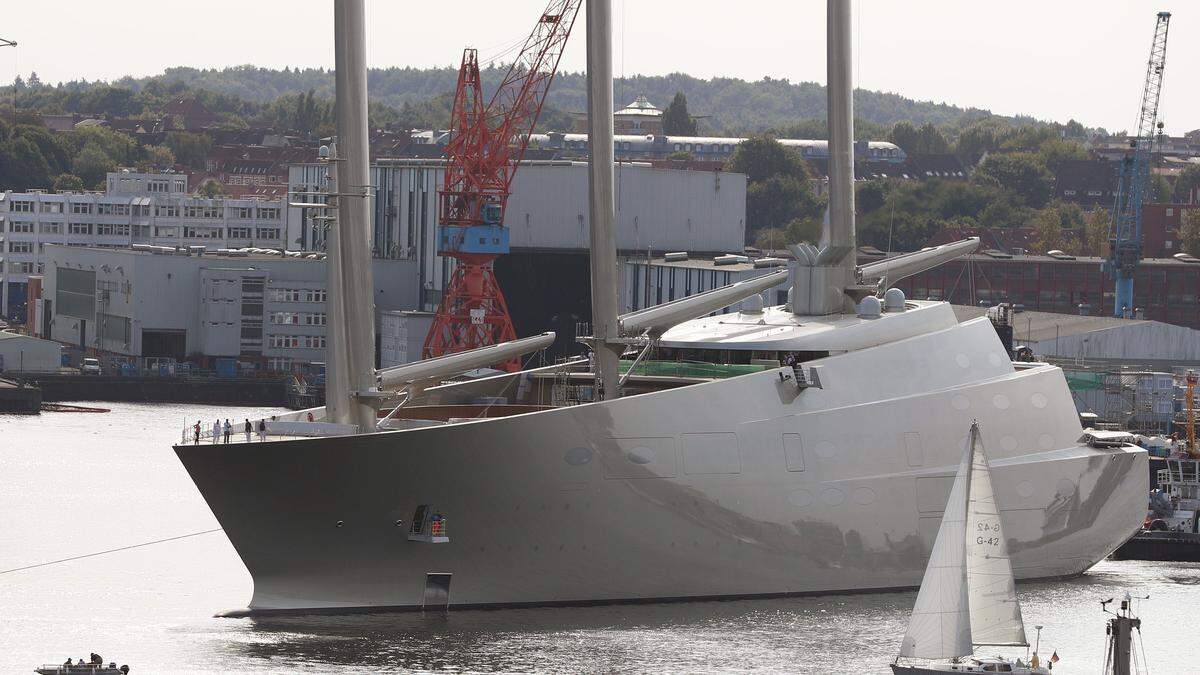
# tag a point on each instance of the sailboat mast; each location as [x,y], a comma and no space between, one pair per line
[840,109]
[601,209]
[352,266]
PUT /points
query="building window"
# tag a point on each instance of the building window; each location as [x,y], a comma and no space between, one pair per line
[166,231]
[21,207]
[81,208]
[285,295]
[240,212]
[1170,212]
[107,229]
[18,227]
[314,295]
[20,247]
[268,213]
[201,232]
[285,318]
[268,233]
[80,228]
[239,233]
[314,318]
[1068,193]
[167,210]
[158,186]
[50,228]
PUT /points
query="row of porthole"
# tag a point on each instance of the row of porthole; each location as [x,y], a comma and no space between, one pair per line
[863,496]
[1000,401]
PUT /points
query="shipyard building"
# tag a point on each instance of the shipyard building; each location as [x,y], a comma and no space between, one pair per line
[264,306]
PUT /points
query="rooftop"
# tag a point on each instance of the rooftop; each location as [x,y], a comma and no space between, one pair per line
[1039,326]
[640,106]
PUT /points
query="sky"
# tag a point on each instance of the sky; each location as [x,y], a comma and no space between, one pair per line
[1052,59]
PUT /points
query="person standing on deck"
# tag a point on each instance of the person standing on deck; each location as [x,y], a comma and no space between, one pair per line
[262,430]
[216,431]
[196,433]
[228,429]
[249,429]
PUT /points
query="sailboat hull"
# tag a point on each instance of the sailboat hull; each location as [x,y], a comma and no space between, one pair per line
[734,488]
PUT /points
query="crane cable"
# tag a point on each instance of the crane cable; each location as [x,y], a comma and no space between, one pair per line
[111,550]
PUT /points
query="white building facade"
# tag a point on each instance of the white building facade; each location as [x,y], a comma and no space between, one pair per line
[260,309]
[135,208]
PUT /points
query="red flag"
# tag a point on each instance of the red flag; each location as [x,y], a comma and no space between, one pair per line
[1054,657]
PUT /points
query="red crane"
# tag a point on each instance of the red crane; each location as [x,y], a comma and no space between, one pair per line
[486,146]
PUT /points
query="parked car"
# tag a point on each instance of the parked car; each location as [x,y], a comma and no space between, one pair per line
[90,366]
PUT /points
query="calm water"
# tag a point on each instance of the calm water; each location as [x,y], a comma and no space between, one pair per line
[75,483]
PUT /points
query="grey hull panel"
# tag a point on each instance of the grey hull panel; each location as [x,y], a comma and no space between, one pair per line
[735,488]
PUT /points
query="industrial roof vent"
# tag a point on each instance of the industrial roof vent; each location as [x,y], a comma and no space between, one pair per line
[996,253]
[678,256]
[1059,255]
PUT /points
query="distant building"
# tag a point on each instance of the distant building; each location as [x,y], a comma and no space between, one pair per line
[135,208]
[1160,228]
[264,309]
[1090,183]
[1165,289]
[640,117]
[25,354]
[190,114]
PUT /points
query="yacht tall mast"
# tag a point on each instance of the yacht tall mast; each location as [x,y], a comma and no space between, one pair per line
[350,263]
[822,277]
[601,209]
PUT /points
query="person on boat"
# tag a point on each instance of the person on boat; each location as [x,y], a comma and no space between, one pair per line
[97,659]
[262,430]
[228,429]
[310,417]
[69,662]
[249,429]
[196,432]
[216,430]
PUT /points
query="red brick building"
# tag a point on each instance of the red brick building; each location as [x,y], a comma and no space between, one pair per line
[1165,289]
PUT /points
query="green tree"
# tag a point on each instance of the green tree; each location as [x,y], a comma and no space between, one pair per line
[1022,174]
[1189,232]
[761,157]
[211,188]
[675,118]
[191,150]
[1047,231]
[771,239]
[777,201]
[1095,232]
[1055,151]
[68,182]
[159,156]
[22,165]
[92,164]
[1159,189]
[681,155]
[1186,184]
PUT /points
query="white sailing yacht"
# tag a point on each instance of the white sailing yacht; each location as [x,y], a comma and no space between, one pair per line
[968,597]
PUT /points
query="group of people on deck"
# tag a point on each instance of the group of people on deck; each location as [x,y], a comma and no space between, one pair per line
[224,431]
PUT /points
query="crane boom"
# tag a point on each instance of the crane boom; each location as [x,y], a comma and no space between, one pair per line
[486,146]
[1125,234]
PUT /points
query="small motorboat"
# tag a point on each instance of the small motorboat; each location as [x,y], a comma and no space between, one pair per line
[967,597]
[94,666]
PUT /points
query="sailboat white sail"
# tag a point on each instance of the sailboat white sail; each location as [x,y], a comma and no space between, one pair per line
[967,596]
[995,611]
[940,626]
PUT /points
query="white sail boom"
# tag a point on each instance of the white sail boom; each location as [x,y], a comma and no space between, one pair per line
[661,318]
[995,611]
[940,626]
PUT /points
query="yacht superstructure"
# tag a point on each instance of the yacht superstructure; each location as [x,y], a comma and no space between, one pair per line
[812,451]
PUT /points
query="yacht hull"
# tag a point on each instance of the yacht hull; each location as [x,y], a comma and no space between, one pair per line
[745,487]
